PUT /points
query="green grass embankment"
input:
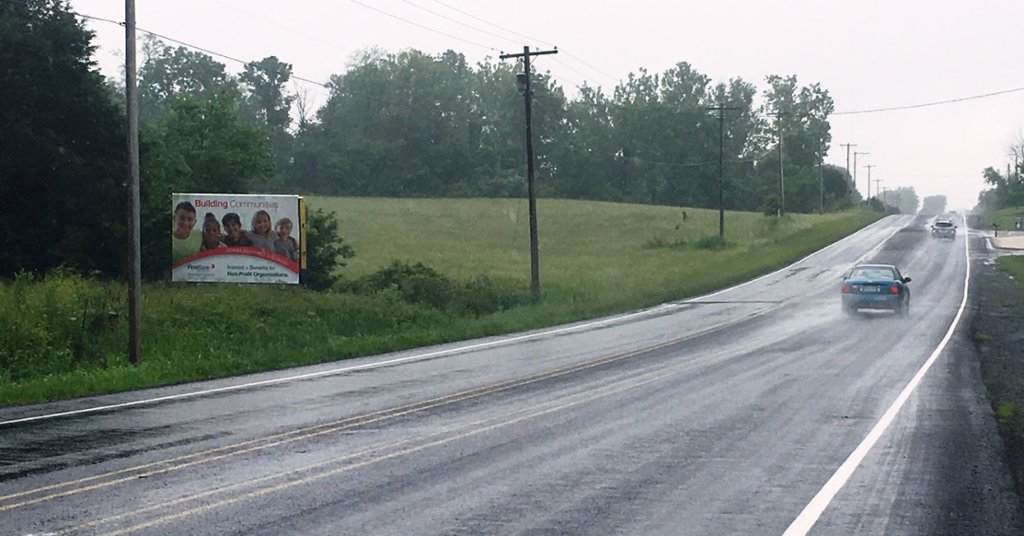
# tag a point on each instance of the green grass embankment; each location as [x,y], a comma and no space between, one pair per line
[57,341]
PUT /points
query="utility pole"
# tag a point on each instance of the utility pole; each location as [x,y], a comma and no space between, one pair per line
[869,166]
[721,165]
[848,176]
[134,220]
[821,179]
[524,83]
[855,153]
[782,173]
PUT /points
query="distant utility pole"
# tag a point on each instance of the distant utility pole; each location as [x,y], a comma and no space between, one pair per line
[848,176]
[782,173]
[855,154]
[821,179]
[523,80]
[869,166]
[134,220]
[721,165]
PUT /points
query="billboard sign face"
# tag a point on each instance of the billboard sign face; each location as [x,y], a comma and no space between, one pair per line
[233,238]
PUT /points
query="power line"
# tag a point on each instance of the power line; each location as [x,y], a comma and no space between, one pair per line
[190,45]
[927,104]
[445,17]
[474,17]
[528,38]
[283,27]
[610,77]
[418,25]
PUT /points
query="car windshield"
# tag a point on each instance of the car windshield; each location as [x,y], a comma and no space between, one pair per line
[943,224]
[873,273]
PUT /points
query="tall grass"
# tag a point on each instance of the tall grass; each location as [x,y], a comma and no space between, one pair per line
[59,338]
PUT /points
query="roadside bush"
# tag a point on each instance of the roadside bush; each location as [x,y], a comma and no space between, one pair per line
[482,296]
[412,283]
[325,249]
[420,284]
[57,324]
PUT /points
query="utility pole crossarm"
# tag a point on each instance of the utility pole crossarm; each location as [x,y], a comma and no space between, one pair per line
[526,53]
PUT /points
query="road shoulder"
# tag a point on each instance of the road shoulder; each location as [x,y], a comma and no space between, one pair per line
[997,313]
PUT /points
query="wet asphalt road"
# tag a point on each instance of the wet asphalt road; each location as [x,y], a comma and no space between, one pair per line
[722,415]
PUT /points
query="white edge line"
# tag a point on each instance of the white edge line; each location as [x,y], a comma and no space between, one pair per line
[812,512]
[417,357]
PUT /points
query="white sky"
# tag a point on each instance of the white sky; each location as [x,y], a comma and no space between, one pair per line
[868,54]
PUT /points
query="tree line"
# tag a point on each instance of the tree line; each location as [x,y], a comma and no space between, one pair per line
[406,124]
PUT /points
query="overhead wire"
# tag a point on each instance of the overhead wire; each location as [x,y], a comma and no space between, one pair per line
[533,39]
[928,104]
[474,17]
[418,25]
[283,27]
[445,17]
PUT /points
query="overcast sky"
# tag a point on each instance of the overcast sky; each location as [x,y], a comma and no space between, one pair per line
[868,54]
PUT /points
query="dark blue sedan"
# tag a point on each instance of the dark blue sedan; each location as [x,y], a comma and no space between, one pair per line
[876,287]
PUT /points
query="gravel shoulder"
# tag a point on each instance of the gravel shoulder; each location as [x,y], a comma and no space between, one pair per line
[996,332]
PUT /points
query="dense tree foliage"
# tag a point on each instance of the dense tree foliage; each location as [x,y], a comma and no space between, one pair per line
[410,124]
[934,205]
[62,140]
[905,201]
[1007,191]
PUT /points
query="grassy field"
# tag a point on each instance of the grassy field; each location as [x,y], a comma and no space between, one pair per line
[1005,218]
[57,340]
[604,255]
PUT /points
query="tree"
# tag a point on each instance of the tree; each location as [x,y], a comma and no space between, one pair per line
[934,205]
[201,145]
[167,73]
[805,135]
[62,164]
[268,105]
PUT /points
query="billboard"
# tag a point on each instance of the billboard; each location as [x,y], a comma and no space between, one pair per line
[233,238]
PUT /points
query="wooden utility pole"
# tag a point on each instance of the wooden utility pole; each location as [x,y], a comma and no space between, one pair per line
[134,223]
[782,171]
[530,183]
[855,154]
[869,166]
[848,176]
[721,165]
[821,178]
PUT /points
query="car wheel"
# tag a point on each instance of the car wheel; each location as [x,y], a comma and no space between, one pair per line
[903,309]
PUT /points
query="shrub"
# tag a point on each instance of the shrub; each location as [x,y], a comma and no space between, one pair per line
[420,284]
[325,250]
[57,324]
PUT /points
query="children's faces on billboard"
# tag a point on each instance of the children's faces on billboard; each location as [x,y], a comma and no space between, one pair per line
[235,238]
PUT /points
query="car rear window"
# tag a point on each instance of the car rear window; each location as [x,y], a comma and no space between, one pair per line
[872,273]
[943,224]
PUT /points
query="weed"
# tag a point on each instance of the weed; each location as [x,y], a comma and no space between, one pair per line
[1006,411]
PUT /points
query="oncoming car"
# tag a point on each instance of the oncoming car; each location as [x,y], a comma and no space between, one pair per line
[943,229]
[876,287]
